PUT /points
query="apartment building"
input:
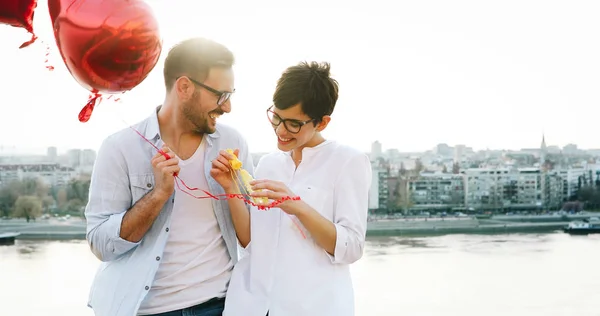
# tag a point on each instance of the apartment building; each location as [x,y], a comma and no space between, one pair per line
[50,173]
[436,190]
[486,189]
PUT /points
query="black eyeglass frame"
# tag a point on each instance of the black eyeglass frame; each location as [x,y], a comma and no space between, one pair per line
[281,120]
[223,96]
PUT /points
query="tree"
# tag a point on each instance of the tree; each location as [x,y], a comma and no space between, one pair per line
[33,187]
[590,196]
[10,193]
[78,190]
[418,166]
[28,206]
[8,197]
[402,170]
[74,206]
[403,199]
[457,197]
[61,197]
[572,206]
[444,169]
[455,168]
[47,202]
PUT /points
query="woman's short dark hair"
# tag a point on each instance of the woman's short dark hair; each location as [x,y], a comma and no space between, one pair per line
[310,85]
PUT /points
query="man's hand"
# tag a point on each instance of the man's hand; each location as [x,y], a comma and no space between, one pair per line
[221,170]
[275,190]
[164,170]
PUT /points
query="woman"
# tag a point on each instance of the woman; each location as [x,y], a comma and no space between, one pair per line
[299,252]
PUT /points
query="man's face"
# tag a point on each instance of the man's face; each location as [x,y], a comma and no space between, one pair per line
[295,129]
[202,109]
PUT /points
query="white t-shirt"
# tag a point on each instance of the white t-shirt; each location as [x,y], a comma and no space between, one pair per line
[287,275]
[195,265]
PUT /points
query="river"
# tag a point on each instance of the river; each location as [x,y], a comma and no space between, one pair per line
[466,275]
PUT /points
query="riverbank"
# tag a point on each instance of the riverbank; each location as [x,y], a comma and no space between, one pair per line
[74,228]
[499,224]
[436,228]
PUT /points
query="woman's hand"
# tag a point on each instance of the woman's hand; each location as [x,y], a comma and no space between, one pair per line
[221,170]
[275,190]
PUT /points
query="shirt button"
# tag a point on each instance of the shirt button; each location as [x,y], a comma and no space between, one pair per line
[157,258]
[147,288]
[149,185]
[167,229]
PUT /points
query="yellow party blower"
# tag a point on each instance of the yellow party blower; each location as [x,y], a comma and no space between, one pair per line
[243,178]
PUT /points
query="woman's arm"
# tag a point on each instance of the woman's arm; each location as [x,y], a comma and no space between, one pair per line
[344,238]
[240,216]
[322,230]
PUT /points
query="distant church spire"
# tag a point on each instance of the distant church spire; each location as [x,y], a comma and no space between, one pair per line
[543,142]
[543,152]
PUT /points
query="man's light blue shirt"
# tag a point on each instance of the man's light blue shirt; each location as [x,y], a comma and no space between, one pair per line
[122,175]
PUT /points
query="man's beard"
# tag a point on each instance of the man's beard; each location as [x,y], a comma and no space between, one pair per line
[198,120]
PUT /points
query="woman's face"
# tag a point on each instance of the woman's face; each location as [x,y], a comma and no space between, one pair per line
[295,129]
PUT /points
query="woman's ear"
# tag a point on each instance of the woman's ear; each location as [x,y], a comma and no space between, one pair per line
[324,122]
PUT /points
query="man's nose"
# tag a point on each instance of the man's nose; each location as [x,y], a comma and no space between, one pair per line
[226,107]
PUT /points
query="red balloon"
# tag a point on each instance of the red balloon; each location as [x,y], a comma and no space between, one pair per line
[109,46]
[19,13]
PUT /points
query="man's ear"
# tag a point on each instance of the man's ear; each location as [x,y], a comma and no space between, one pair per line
[184,88]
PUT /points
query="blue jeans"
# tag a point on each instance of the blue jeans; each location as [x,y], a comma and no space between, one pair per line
[213,307]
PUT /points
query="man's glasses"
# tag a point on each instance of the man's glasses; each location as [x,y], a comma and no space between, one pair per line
[224,96]
[292,126]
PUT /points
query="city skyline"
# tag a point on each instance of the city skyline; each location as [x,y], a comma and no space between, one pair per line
[6,150]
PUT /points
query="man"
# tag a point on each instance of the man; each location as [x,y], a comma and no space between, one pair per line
[165,252]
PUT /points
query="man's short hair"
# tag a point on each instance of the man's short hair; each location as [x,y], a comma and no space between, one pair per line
[310,85]
[195,57]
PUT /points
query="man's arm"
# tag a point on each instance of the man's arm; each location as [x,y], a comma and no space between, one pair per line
[138,220]
[109,199]
[113,228]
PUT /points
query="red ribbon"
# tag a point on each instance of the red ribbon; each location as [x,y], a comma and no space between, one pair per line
[243,197]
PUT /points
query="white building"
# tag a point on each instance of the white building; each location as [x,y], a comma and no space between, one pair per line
[435,190]
[376,150]
[51,174]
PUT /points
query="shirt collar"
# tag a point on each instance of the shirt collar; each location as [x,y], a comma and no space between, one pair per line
[152,131]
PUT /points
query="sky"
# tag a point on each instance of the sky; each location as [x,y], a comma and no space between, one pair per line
[412,74]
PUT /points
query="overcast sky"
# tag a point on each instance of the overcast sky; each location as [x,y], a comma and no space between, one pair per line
[488,74]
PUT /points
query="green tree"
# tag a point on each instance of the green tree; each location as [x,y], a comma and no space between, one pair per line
[8,197]
[418,166]
[47,202]
[402,170]
[457,198]
[28,207]
[61,197]
[74,206]
[78,190]
[455,168]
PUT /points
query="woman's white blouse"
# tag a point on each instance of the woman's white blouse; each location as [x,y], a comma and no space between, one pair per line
[286,274]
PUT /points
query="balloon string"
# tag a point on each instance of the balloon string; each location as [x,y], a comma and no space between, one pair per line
[244,197]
